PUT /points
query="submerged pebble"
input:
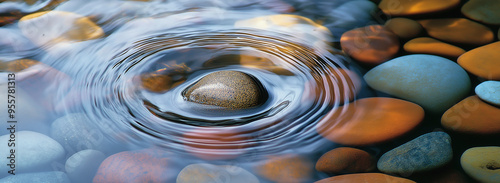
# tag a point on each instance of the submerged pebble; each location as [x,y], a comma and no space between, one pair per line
[286,169]
[472,115]
[482,163]
[82,166]
[458,30]
[40,177]
[403,27]
[411,7]
[346,160]
[208,173]
[427,45]
[365,178]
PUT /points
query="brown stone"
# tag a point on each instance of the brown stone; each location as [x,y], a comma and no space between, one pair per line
[473,116]
[213,143]
[458,30]
[286,169]
[403,27]
[483,61]
[340,85]
[370,120]
[346,160]
[426,45]
[370,45]
[412,7]
[365,178]
[485,11]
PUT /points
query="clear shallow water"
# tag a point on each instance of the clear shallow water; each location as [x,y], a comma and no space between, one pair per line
[103,78]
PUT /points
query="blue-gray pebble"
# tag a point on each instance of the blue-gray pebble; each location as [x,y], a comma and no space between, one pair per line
[40,177]
[427,152]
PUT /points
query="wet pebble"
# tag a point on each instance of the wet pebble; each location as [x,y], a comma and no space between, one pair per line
[489,91]
[370,45]
[485,11]
[403,27]
[33,152]
[472,115]
[343,85]
[286,169]
[346,160]
[370,120]
[365,178]
[82,166]
[483,61]
[40,177]
[458,30]
[426,152]
[426,45]
[482,163]
[433,82]
[148,165]
[411,7]
[215,143]
[228,89]
[350,15]
[209,173]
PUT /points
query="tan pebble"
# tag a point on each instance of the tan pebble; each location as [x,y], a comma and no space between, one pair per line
[482,61]
[482,163]
[403,27]
[472,115]
[286,169]
[346,160]
[458,30]
[426,45]
[365,178]
[412,7]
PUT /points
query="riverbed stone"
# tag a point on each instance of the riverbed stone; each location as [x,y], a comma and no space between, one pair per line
[346,160]
[343,85]
[489,91]
[405,28]
[147,165]
[365,178]
[427,45]
[370,45]
[40,177]
[458,30]
[411,7]
[214,143]
[82,166]
[482,163]
[434,82]
[33,152]
[370,120]
[209,173]
[473,116]
[426,152]
[288,168]
[482,61]
[485,11]
[227,89]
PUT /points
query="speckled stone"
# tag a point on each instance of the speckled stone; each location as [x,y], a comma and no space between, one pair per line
[365,178]
[489,91]
[426,152]
[346,160]
[485,11]
[412,7]
[208,173]
[427,45]
[434,82]
[286,168]
[483,61]
[39,177]
[472,115]
[403,27]
[482,163]
[228,89]
[458,30]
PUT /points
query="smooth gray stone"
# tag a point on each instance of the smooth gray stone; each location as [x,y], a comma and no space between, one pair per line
[40,177]
[82,166]
[489,91]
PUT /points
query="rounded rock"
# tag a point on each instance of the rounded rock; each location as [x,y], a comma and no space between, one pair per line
[458,30]
[365,178]
[345,160]
[41,177]
[369,121]
[482,163]
[482,61]
[228,89]
[411,7]
[473,116]
[426,45]
[426,152]
[485,11]
[82,166]
[208,173]
[370,45]
[212,143]
[489,91]
[434,82]
[286,169]
[403,27]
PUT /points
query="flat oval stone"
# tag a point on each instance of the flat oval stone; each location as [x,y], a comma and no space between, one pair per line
[370,45]
[472,115]
[427,45]
[483,61]
[286,168]
[370,120]
[345,160]
[433,82]
[228,89]
[208,173]
[426,152]
[482,163]
[458,30]
[489,91]
[365,178]
[403,27]
[412,7]
[485,11]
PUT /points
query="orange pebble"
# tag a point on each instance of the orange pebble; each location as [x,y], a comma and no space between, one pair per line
[483,61]
[365,178]
[472,115]
[346,160]
[458,30]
